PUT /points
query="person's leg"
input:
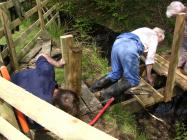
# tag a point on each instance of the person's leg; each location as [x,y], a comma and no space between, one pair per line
[129,61]
[114,75]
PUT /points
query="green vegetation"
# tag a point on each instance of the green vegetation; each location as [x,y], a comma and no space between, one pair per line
[125,121]
[93,65]
[181,131]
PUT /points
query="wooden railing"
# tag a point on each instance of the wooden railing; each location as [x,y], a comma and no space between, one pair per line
[7,26]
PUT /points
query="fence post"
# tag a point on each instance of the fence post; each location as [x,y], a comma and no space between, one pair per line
[177,38]
[7,31]
[72,70]
[41,17]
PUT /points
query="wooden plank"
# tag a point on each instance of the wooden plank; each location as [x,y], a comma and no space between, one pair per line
[31,54]
[90,100]
[52,19]
[8,35]
[148,95]
[25,33]
[50,117]
[28,47]
[6,111]
[50,11]
[161,67]
[178,36]
[10,132]
[180,78]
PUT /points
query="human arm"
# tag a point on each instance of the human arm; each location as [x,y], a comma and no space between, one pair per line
[148,73]
[149,61]
[53,62]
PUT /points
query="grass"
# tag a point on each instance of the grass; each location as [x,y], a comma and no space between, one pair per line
[59,75]
[125,121]
[93,65]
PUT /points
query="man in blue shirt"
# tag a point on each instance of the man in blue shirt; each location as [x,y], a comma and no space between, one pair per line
[40,81]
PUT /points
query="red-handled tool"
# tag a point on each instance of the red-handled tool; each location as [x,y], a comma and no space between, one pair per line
[92,122]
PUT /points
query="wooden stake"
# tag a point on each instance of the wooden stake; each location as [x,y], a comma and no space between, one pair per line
[178,35]
[72,70]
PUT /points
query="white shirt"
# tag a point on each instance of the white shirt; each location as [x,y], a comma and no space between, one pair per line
[149,39]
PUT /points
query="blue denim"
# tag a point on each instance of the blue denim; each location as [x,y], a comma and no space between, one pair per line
[125,58]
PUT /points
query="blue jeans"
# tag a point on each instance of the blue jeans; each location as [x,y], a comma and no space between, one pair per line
[125,59]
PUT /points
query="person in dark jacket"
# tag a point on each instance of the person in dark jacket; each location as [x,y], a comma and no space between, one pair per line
[40,81]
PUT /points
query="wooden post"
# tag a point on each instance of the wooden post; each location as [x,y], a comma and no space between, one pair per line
[8,35]
[57,121]
[177,38]
[10,132]
[72,69]
[41,18]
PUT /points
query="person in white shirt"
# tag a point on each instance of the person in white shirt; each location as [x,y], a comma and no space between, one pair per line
[173,9]
[125,59]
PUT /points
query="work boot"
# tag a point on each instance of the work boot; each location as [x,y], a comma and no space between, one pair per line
[114,90]
[103,82]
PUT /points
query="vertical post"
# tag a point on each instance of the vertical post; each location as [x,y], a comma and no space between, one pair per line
[8,35]
[177,38]
[72,70]
[41,18]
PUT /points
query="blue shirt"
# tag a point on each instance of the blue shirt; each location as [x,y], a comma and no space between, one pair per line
[39,81]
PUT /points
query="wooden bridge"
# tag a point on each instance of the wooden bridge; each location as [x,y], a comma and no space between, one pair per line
[60,123]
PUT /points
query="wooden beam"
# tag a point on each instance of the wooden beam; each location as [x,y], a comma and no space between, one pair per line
[90,100]
[20,39]
[6,111]
[28,47]
[178,35]
[10,132]
[147,94]
[52,19]
[72,69]
[60,123]
[8,35]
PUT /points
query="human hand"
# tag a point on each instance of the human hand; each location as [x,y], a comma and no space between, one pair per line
[61,62]
[150,80]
